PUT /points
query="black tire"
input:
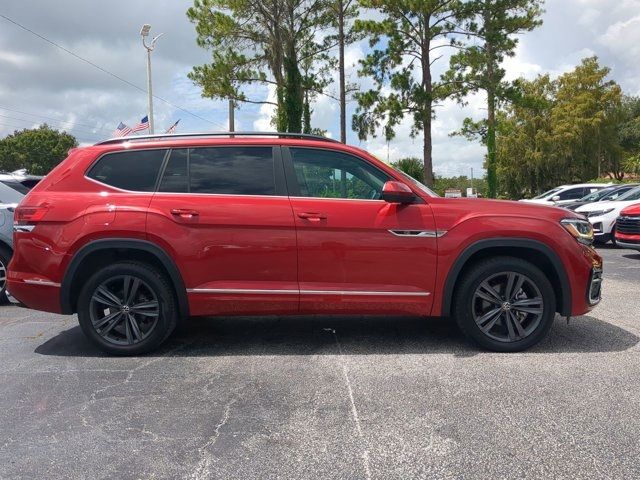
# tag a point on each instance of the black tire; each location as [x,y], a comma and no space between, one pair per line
[613,237]
[5,257]
[470,306]
[159,313]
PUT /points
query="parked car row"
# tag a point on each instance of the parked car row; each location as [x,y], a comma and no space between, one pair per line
[13,187]
[612,210]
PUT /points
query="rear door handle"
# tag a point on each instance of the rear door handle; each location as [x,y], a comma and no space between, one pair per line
[184,213]
[312,216]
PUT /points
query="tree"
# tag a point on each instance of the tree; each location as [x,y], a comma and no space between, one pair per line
[628,131]
[560,131]
[261,43]
[477,66]
[585,116]
[342,13]
[412,166]
[37,150]
[407,36]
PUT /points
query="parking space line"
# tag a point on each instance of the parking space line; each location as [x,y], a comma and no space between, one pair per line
[354,409]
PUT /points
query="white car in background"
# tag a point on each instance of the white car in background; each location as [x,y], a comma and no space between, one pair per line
[603,215]
[566,193]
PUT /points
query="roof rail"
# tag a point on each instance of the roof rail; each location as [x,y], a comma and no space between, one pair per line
[216,134]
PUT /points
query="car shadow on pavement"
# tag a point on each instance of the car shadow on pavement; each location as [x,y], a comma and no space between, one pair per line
[632,256]
[351,335]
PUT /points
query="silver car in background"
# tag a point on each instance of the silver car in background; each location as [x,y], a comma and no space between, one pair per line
[13,188]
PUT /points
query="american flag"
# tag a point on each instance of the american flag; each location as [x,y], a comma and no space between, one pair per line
[143,125]
[121,131]
[172,128]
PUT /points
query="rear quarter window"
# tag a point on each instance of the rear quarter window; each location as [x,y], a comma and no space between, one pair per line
[133,170]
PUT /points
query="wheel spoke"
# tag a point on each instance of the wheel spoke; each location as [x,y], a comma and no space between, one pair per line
[511,278]
[135,329]
[488,293]
[535,311]
[104,296]
[517,286]
[112,324]
[492,322]
[131,285]
[127,329]
[488,316]
[527,302]
[148,309]
[106,319]
[518,325]
[508,323]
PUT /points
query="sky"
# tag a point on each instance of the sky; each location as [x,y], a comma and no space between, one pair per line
[42,83]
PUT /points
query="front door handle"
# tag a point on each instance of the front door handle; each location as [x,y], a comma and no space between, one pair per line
[312,216]
[185,213]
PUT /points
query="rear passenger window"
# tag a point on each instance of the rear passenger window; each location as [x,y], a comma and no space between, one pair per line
[175,178]
[133,170]
[232,170]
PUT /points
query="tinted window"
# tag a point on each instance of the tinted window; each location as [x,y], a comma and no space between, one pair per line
[572,194]
[327,174]
[232,170]
[134,170]
[17,186]
[617,193]
[631,195]
[175,177]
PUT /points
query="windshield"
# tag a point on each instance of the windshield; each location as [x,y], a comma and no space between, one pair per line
[416,183]
[595,196]
[630,195]
[546,194]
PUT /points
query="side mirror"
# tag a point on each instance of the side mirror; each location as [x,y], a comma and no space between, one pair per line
[397,192]
[555,198]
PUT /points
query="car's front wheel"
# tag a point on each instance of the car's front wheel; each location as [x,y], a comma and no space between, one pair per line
[504,304]
[127,309]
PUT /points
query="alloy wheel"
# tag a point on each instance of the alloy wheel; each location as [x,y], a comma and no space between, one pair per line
[124,310]
[507,306]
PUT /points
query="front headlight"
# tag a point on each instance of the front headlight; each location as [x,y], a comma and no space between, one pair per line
[598,213]
[581,230]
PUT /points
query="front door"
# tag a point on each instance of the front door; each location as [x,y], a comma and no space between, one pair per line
[356,252]
[224,215]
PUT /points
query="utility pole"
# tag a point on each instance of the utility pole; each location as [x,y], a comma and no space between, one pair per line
[232,118]
[144,32]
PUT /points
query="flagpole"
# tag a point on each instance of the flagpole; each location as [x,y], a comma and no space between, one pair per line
[149,91]
[145,33]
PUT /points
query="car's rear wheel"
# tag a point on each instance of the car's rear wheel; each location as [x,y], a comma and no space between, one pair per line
[127,309]
[5,256]
[504,304]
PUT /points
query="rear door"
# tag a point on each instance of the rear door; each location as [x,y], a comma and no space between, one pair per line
[356,252]
[223,213]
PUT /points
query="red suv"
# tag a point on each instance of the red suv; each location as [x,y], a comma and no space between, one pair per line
[628,228]
[138,234]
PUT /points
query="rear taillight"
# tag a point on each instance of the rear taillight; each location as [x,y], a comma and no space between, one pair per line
[29,215]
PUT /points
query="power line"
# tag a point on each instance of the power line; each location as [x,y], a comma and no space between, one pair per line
[107,71]
[81,136]
[79,130]
[52,118]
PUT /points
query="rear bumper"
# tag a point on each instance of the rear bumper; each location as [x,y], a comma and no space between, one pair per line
[37,295]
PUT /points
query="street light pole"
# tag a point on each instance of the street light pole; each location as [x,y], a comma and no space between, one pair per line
[144,32]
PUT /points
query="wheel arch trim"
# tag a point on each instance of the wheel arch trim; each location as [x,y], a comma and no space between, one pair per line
[505,242]
[123,243]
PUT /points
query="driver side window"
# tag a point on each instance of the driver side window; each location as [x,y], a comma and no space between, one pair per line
[328,174]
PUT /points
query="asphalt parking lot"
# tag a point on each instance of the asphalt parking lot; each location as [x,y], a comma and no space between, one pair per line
[338,398]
